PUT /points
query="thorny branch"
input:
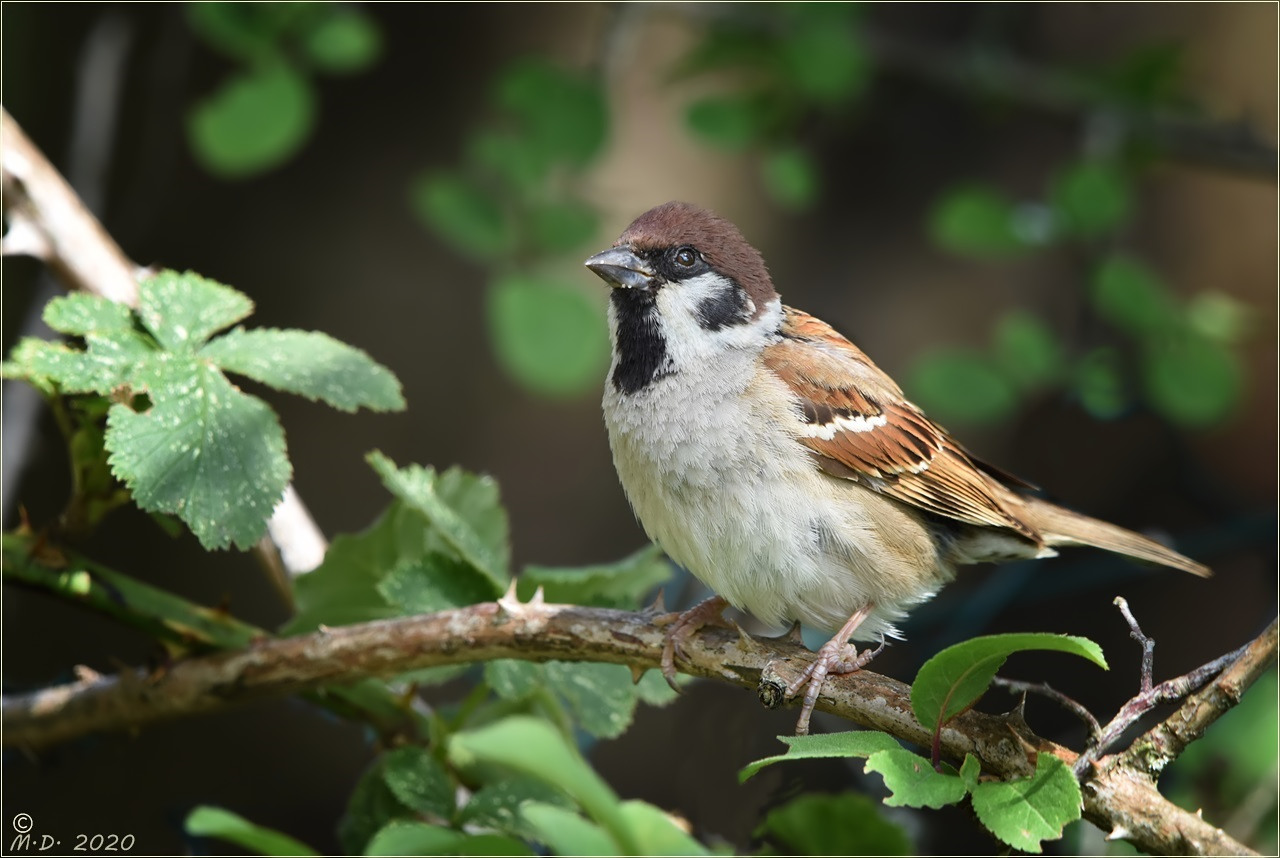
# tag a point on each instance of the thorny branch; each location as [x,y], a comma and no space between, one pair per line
[1119,794]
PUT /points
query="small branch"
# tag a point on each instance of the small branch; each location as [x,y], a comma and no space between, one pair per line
[1045,690]
[1148,644]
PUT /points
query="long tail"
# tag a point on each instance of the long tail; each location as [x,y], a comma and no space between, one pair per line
[1063,527]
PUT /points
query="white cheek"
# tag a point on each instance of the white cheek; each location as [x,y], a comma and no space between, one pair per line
[688,342]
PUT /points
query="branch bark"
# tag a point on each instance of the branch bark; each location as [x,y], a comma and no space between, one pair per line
[1119,796]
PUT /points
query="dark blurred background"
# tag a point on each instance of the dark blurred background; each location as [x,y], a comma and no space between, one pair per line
[328,242]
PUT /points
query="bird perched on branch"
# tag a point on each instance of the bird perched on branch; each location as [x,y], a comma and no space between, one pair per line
[770,457]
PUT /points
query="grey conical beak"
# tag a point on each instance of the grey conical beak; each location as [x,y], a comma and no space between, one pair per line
[621,268]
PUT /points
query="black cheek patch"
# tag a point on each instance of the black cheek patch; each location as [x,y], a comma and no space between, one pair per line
[727,307]
[641,347]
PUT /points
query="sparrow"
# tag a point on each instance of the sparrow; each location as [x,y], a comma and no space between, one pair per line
[767,455]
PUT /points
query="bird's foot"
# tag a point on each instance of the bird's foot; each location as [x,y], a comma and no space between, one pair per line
[683,625]
[837,657]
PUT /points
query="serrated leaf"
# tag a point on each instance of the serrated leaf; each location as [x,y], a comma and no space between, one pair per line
[372,805]
[419,780]
[1133,297]
[912,780]
[497,805]
[1091,198]
[1193,381]
[343,589]
[601,697]
[732,122]
[310,364]
[81,313]
[612,585]
[853,743]
[343,41]
[977,220]
[970,769]
[1027,350]
[204,451]
[463,510]
[962,386]
[99,369]
[791,178]
[513,679]
[563,113]
[462,213]
[255,121]
[531,746]
[206,821]
[804,826]
[433,583]
[561,226]
[182,310]
[955,678]
[548,336]
[410,837]
[1024,812]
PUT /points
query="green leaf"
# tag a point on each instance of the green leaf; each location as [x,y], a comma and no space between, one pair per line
[436,582]
[203,451]
[183,310]
[519,162]
[612,585]
[1027,350]
[725,46]
[82,314]
[497,805]
[601,697]
[513,679]
[344,589]
[371,806]
[562,226]
[406,837]
[1100,385]
[976,220]
[563,113]
[791,178]
[732,122]
[251,32]
[657,833]
[1133,298]
[206,821]
[825,63]
[419,780]
[531,746]
[1219,317]
[107,364]
[854,743]
[962,386]
[565,832]
[1194,381]
[310,364]
[256,121]
[462,213]
[913,782]
[1091,198]
[343,41]
[955,678]
[463,510]
[970,770]
[845,824]
[549,336]
[1024,812]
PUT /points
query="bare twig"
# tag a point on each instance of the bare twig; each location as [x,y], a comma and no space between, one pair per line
[1148,644]
[1045,690]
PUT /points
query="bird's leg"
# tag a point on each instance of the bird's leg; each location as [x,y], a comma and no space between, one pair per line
[683,626]
[837,656]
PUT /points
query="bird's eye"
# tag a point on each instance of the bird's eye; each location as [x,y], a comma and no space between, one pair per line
[686,257]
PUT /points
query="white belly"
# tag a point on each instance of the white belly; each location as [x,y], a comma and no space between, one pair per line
[760,524]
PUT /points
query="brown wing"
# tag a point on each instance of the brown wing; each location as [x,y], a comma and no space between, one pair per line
[861,427]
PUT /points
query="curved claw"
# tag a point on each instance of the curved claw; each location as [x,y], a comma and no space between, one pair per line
[683,626]
[837,656]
